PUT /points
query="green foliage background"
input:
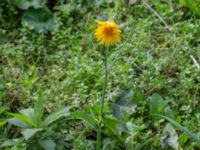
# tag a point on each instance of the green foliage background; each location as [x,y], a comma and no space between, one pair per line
[48,48]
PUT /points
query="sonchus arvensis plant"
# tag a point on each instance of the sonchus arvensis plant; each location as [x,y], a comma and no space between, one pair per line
[107,33]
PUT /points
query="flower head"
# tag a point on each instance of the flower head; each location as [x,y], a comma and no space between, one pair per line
[107,33]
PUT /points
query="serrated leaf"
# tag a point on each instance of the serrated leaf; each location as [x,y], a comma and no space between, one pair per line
[40,20]
[28,133]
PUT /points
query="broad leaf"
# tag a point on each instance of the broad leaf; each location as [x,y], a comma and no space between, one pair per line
[126,103]
[157,104]
[112,125]
[40,20]
[14,142]
[29,112]
[17,122]
[25,4]
[22,117]
[56,115]
[7,143]
[48,144]
[28,133]
[83,116]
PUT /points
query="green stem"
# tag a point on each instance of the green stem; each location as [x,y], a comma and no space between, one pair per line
[105,81]
[98,146]
[102,100]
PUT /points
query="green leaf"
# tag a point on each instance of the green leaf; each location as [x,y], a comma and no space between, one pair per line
[193,5]
[111,124]
[157,104]
[16,143]
[183,2]
[2,110]
[183,138]
[108,144]
[25,4]
[2,123]
[83,116]
[188,132]
[56,115]
[38,111]
[41,20]
[48,144]
[126,103]
[28,133]
[169,112]
[29,112]
[17,122]
[7,143]
[22,117]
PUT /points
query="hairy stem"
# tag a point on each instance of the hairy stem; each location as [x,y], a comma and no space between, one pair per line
[105,81]
[102,100]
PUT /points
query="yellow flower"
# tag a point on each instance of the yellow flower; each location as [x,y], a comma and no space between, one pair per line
[108,33]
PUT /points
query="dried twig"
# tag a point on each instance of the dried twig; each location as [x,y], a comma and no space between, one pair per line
[158,16]
[195,62]
[171,5]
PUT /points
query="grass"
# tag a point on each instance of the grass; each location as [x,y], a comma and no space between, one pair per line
[66,66]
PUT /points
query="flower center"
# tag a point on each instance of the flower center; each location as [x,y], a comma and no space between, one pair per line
[109,31]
